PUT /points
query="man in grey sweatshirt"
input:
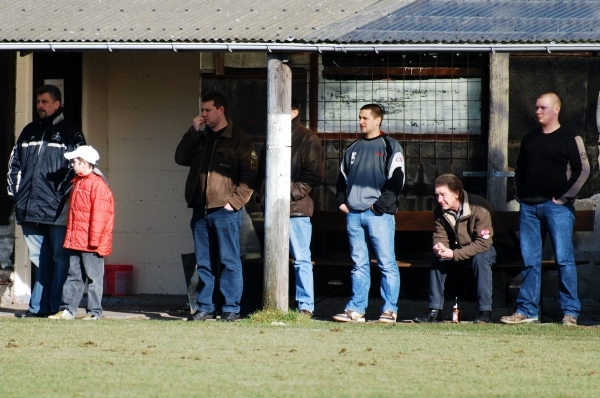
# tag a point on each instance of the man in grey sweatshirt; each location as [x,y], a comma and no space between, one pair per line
[368,190]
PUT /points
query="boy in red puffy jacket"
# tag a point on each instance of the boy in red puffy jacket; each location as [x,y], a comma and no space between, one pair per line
[89,234]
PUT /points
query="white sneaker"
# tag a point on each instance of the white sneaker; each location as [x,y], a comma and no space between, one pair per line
[90,317]
[349,316]
[62,314]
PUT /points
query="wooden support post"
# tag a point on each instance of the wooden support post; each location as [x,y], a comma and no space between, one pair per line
[598,124]
[313,92]
[219,64]
[277,195]
[498,130]
[21,291]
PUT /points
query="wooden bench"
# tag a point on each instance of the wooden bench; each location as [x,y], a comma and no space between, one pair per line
[334,223]
[422,221]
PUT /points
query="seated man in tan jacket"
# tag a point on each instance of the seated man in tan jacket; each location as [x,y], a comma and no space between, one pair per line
[466,229]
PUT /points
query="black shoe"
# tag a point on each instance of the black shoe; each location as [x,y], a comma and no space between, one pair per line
[29,314]
[306,313]
[433,316]
[201,316]
[483,317]
[230,316]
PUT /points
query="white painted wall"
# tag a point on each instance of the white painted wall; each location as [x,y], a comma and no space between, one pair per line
[137,106]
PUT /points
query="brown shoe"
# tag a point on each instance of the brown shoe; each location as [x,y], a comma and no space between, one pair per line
[517,318]
[388,317]
[569,320]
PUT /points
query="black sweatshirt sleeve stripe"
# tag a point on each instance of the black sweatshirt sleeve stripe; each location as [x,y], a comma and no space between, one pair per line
[579,169]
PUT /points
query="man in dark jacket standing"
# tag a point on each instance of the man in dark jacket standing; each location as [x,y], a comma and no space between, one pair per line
[222,175]
[552,166]
[39,180]
[466,229]
[306,174]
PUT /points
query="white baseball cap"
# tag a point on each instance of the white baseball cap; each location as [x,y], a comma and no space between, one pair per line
[85,152]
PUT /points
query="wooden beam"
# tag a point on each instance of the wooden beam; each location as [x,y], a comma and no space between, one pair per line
[277,194]
[219,64]
[423,137]
[313,93]
[401,71]
[498,129]
[298,73]
[400,136]
[414,221]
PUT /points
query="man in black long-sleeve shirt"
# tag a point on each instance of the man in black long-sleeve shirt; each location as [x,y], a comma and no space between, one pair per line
[551,169]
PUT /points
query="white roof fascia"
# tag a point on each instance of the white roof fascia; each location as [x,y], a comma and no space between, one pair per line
[298,47]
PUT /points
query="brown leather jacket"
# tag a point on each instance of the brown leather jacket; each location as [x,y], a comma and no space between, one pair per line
[307,170]
[476,230]
[232,169]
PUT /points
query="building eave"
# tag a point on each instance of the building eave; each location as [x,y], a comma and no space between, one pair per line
[300,47]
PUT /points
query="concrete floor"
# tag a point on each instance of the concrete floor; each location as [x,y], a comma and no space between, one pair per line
[173,307]
[125,308]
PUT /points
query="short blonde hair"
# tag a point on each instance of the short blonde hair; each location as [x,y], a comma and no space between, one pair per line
[554,96]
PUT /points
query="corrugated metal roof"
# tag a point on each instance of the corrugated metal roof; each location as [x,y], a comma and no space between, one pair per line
[475,21]
[170,20]
[341,21]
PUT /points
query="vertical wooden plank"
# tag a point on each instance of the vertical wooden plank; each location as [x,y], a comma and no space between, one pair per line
[499,288]
[498,130]
[277,196]
[598,124]
[313,93]
[219,64]
[200,84]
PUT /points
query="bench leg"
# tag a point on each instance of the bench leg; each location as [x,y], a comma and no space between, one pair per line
[332,293]
[541,305]
[499,288]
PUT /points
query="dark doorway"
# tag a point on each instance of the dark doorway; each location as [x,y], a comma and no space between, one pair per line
[246,93]
[7,124]
[66,66]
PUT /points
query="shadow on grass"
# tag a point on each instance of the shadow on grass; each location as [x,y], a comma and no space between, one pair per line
[271,316]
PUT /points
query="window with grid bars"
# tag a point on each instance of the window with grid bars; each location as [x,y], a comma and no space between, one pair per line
[433,107]
[421,93]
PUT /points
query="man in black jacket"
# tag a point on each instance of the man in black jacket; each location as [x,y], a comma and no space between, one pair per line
[221,180]
[39,180]
[306,174]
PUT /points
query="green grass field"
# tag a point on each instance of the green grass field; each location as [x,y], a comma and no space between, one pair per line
[304,358]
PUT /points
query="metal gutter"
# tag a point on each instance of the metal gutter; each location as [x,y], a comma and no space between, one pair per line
[297,47]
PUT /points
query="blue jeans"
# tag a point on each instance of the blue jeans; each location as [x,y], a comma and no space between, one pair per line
[45,246]
[300,234]
[534,221]
[379,231]
[84,266]
[481,264]
[217,243]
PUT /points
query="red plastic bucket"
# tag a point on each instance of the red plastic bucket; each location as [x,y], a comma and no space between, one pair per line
[117,279]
